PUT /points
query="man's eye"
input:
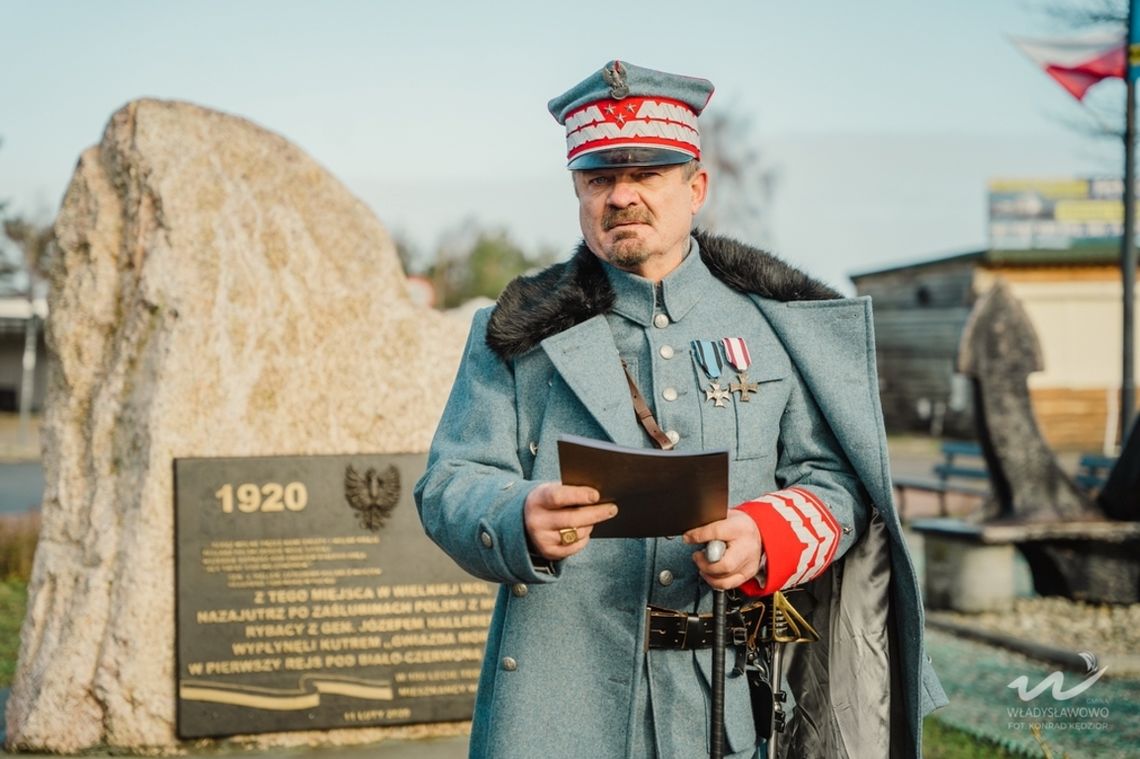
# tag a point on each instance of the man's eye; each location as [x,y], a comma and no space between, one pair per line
[599,181]
[644,175]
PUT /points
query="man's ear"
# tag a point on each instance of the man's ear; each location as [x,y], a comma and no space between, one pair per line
[699,187]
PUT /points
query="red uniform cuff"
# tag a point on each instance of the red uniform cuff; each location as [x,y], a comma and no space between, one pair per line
[799,537]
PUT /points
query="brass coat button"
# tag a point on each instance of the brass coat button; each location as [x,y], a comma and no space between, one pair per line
[509,664]
[485,537]
[519,589]
[665,577]
[661,321]
[666,351]
[669,393]
[673,436]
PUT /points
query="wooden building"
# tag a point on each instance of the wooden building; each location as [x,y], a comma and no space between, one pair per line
[1073,298]
[15,312]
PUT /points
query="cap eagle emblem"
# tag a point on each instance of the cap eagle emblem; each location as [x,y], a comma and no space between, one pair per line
[615,77]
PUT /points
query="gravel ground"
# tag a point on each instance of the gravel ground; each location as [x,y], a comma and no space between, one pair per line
[1060,623]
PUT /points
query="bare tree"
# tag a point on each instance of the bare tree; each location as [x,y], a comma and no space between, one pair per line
[24,258]
[8,263]
[1102,114]
[32,241]
[742,183]
[1091,14]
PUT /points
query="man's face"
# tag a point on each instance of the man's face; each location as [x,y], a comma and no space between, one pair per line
[639,219]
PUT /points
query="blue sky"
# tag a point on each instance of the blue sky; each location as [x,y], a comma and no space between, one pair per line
[882,118]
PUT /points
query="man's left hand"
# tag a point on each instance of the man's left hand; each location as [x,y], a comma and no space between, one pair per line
[741,560]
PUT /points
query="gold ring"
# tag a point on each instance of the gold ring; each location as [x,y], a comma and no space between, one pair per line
[568,535]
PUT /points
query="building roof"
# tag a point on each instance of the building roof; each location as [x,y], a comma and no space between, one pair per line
[1096,253]
[955,258]
[1091,254]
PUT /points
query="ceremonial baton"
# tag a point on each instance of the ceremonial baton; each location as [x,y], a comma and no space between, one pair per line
[714,550]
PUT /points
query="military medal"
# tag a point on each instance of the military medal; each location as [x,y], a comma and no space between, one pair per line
[736,351]
[707,356]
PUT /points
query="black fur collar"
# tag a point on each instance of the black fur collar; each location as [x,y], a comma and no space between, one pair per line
[533,308]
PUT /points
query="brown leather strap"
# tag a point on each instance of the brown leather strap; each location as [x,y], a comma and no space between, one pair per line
[644,415]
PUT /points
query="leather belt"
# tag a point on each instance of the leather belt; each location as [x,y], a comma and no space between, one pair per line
[681,631]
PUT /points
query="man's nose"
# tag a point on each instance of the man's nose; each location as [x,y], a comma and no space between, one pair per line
[623,195]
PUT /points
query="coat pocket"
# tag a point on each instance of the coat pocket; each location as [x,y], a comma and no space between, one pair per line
[933,696]
[766,389]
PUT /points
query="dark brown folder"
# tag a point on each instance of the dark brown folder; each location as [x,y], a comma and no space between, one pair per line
[658,493]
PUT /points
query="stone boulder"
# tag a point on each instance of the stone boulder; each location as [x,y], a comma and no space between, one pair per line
[214,292]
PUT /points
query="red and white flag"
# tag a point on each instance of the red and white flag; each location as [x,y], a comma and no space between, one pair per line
[1079,62]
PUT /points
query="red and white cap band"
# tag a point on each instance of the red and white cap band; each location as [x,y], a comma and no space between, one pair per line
[641,122]
[800,538]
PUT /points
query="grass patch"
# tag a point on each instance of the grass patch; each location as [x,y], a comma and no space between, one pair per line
[19,534]
[940,741]
[13,602]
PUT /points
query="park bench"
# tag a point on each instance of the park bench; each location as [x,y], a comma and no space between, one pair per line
[960,460]
[1092,471]
[973,567]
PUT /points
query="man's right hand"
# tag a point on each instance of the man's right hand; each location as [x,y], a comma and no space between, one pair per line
[553,510]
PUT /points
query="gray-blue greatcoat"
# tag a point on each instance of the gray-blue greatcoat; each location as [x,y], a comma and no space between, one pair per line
[565,672]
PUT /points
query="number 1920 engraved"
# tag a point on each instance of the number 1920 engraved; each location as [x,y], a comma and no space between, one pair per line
[271,496]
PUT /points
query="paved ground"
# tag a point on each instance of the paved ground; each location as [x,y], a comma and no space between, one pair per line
[21,477]
[21,486]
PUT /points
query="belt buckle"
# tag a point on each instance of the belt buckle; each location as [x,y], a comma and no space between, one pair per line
[693,630]
[648,626]
[658,612]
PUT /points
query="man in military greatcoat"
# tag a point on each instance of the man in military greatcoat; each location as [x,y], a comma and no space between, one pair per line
[655,336]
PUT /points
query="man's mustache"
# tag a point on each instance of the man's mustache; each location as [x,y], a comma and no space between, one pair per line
[614,217]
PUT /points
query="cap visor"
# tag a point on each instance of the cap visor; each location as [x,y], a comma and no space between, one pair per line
[620,157]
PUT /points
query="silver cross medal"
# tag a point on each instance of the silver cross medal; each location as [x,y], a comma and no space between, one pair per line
[707,355]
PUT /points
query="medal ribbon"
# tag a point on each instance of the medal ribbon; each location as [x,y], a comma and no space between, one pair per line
[707,355]
[736,351]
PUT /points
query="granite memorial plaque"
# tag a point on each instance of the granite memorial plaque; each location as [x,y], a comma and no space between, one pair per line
[309,597]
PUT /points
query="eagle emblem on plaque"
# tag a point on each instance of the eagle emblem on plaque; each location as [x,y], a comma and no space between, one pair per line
[372,495]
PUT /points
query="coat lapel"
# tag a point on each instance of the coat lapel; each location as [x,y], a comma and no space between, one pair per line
[587,360]
[832,344]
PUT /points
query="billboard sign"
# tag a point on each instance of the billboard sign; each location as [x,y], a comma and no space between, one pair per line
[1035,214]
